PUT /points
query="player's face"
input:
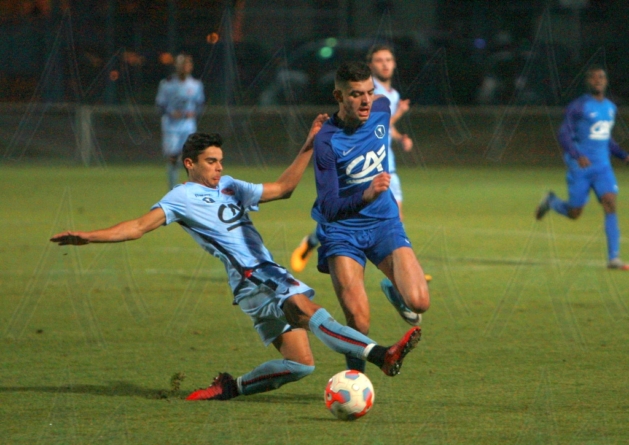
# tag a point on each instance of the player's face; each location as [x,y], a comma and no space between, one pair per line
[382,65]
[208,167]
[355,100]
[597,82]
[184,66]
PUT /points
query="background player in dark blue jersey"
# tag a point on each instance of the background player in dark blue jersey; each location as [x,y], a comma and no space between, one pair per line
[586,138]
[214,210]
[357,216]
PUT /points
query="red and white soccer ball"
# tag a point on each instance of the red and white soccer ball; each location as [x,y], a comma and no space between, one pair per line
[349,395]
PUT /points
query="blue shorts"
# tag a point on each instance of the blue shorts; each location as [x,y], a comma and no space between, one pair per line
[172,142]
[373,244]
[580,180]
[264,303]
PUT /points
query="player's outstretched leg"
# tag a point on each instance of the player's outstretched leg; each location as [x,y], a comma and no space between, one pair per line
[396,300]
[544,205]
[302,253]
[223,387]
[396,353]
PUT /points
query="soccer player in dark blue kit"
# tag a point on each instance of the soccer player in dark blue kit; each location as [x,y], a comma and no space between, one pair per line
[586,138]
[357,216]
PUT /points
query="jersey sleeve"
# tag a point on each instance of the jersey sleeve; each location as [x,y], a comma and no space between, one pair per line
[329,202]
[248,194]
[567,131]
[173,204]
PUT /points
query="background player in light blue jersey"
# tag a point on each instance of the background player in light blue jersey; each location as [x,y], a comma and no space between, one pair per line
[586,138]
[357,216]
[180,99]
[381,61]
[214,210]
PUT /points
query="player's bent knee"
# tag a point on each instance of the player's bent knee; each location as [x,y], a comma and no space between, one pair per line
[299,370]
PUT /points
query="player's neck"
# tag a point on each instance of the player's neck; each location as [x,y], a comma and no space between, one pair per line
[598,96]
[345,122]
[386,83]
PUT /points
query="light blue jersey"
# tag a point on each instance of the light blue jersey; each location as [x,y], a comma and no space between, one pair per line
[184,96]
[218,220]
[394,98]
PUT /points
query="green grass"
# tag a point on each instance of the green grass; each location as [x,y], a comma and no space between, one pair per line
[527,339]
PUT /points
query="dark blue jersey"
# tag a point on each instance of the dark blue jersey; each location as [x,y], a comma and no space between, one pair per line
[345,162]
[587,131]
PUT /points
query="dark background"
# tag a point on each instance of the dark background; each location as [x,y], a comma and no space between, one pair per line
[467,52]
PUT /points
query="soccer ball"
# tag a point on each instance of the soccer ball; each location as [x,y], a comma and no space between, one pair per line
[349,395]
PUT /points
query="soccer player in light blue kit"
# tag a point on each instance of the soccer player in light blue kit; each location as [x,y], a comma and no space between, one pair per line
[214,210]
[180,99]
[586,138]
[357,216]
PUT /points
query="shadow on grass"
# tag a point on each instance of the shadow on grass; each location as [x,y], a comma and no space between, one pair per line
[114,389]
[126,389]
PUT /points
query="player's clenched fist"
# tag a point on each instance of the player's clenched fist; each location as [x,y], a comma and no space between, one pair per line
[379,184]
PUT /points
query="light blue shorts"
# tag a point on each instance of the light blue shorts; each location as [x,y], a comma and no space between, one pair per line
[396,187]
[264,304]
[172,142]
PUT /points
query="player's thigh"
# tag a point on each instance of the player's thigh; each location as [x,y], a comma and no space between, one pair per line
[404,270]
[605,185]
[171,143]
[348,279]
[579,184]
[294,345]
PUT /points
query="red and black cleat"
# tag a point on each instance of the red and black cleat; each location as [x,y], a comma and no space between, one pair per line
[396,353]
[223,387]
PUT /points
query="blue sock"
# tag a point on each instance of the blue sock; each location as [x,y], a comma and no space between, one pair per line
[340,338]
[558,205]
[613,235]
[271,375]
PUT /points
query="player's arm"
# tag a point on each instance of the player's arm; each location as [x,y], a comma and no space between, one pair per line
[332,205]
[566,135]
[615,149]
[124,231]
[405,142]
[284,186]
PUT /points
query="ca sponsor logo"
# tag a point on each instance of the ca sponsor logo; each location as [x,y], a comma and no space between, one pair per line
[370,165]
[601,130]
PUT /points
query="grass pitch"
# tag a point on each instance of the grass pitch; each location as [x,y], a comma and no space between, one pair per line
[526,340]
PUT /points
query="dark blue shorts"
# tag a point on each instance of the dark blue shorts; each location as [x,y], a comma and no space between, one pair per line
[601,179]
[373,244]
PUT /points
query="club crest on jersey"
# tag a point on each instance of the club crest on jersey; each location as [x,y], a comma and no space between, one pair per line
[379,131]
[371,166]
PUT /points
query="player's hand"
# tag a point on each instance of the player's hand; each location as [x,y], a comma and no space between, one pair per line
[176,114]
[583,162]
[378,185]
[315,127]
[404,105]
[406,142]
[69,238]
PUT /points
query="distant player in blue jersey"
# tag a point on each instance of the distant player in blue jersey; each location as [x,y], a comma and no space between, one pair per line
[586,138]
[356,213]
[180,99]
[214,210]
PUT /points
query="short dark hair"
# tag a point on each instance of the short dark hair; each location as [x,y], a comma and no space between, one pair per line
[592,68]
[379,47]
[352,72]
[198,142]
